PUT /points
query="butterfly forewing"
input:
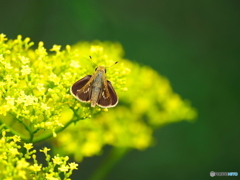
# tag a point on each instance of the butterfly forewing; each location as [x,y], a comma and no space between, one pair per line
[82,89]
[113,94]
[108,97]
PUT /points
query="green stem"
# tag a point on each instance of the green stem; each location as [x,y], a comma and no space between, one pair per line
[16,133]
[114,156]
[49,135]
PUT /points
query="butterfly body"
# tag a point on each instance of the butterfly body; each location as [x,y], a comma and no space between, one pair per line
[97,86]
[95,89]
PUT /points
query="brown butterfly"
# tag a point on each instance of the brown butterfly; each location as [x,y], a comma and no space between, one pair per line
[95,89]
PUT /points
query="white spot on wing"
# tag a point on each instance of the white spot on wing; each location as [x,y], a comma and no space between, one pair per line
[87,90]
[104,95]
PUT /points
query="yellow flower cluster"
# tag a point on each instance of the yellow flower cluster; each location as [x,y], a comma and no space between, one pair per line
[34,86]
[146,102]
[16,165]
[34,92]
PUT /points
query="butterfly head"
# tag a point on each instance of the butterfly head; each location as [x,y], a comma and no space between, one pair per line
[101,68]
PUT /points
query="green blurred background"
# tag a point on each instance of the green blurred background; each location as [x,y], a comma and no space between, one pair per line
[195,44]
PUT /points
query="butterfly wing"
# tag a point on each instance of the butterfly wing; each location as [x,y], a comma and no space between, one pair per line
[82,89]
[108,97]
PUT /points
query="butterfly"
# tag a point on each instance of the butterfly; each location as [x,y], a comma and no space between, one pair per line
[95,89]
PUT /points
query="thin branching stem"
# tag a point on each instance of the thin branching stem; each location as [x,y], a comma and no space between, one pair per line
[49,135]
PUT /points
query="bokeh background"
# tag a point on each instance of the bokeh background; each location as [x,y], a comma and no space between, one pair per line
[195,44]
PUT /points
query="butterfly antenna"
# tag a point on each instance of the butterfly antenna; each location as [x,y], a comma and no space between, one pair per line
[112,65]
[92,61]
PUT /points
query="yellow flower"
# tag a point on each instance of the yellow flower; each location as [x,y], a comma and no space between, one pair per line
[35,94]
[22,174]
[73,165]
[45,107]
[91,148]
[44,150]
[96,49]
[56,48]
[57,160]
[28,146]
[75,64]
[13,151]
[36,167]
[2,37]
[63,168]
[25,70]
[10,101]
[24,60]
[50,176]
[16,138]
[22,163]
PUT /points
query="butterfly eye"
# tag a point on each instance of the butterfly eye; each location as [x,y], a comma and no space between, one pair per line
[105,71]
[95,69]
